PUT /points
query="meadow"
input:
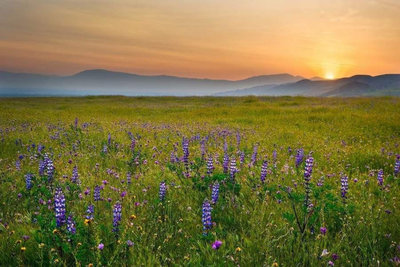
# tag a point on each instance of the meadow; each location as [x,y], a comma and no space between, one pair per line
[249,181]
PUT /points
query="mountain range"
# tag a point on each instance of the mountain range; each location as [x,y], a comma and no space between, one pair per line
[104,82]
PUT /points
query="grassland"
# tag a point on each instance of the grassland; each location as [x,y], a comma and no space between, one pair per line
[259,223]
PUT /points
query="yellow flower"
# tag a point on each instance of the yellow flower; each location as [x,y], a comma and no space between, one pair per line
[55,231]
[41,245]
[238,249]
[275,264]
[79,244]
[90,265]
[23,248]
[186,257]
[133,216]
[56,260]
[87,221]
[18,241]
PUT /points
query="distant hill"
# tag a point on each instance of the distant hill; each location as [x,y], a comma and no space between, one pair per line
[104,82]
[358,85]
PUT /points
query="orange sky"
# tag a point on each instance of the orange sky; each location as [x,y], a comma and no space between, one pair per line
[226,39]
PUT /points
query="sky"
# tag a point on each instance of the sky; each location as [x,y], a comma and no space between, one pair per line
[220,39]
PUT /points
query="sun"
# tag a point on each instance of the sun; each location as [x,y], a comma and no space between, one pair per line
[329,76]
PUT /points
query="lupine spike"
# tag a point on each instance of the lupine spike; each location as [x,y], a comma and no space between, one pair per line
[397,166]
[254,155]
[90,212]
[299,157]
[225,163]
[210,165]
[28,181]
[49,167]
[117,212]
[128,178]
[215,193]
[71,228]
[380,177]
[344,186]
[59,205]
[307,178]
[233,169]
[75,175]
[206,217]
[185,148]
[264,169]
[97,193]
[162,191]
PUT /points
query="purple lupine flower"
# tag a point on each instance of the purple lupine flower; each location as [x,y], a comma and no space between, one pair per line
[76,123]
[42,167]
[264,168]
[216,245]
[172,157]
[225,163]
[109,139]
[100,246]
[71,228]
[28,181]
[397,166]
[117,212]
[203,148]
[215,193]
[90,212]
[48,162]
[344,186]
[128,178]
[299,157]
[206,217]
[380,177]
[96,193]
[129,243]
[233,169]
[307,178]
[185,148]
[59,205]
[321,181]
[241,157]
[322,230]
[40,148]
[133,143]
[75,175]
[274,155]
[105,149]
[238,139]
[254,156]
[210,165]
[162,191]
[18,165]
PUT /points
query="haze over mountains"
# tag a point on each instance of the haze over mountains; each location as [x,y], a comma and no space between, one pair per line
[103,82]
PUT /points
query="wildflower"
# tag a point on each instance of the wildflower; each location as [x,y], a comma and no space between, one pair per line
[330,263]
[322,230]
[254,155]
[210,165]
[28,181]
[307,179]
[238,249]
[25,237]
[397,165]
[49,166]
[96,193]
[206,217]
[344,186]
[232,169]
[133,216]
[275,264]
[264,167]
[116,216]
[133,144]
[59,204]
[299,157]
[128,178]
[215,192]
[216,245]
[23,249]
[324,253]
[90,212]
[100,246]
[225,162]
[75,175]
[18,165]
[71,225]
[41,245]
[42,167]
[129,243]
[162,192]
[185,148]
[109,139]
[380,177]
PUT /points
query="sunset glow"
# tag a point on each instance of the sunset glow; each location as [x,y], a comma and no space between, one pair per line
[213,39]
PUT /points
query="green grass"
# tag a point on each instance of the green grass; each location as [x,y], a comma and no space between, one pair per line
[255,221]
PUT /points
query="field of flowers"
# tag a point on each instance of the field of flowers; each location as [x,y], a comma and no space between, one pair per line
[199,181]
